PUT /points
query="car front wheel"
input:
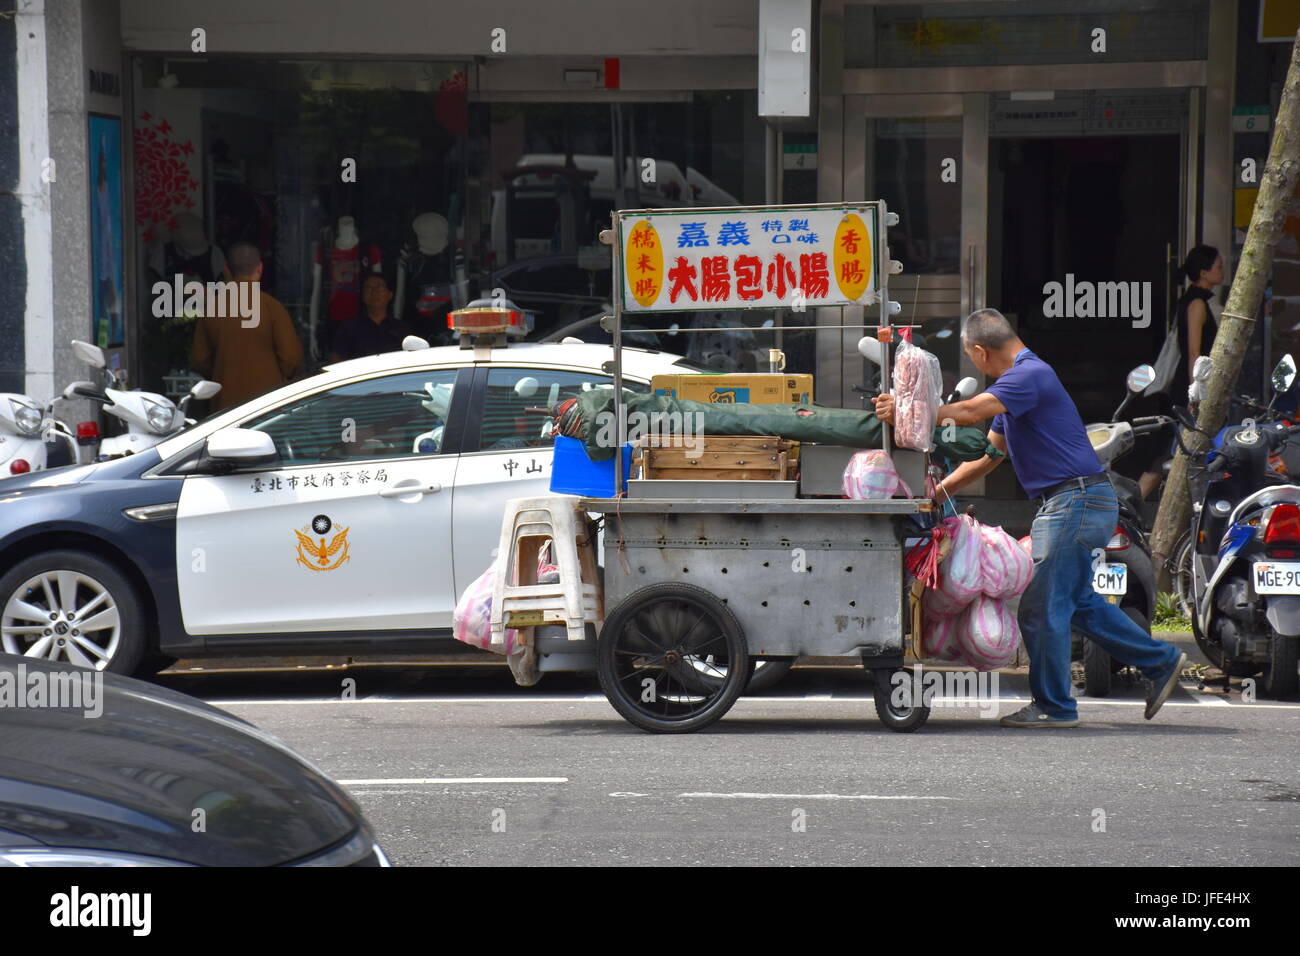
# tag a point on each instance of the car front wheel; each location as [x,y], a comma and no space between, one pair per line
[73,607]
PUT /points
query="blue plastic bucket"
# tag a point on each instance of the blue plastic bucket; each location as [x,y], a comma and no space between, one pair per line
[573,473]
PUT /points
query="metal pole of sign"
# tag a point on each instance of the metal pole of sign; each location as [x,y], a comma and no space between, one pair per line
[882,280]
[620,428]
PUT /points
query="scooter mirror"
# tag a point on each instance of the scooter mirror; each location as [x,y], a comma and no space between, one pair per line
[90,354]
[1202,368]
[870,348]
[1284,374]
[1140,378]
[1184,417]
[83,390]
[966,389]
[203,389]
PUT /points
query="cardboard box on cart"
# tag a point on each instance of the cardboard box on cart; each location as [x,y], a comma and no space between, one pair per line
[754,388]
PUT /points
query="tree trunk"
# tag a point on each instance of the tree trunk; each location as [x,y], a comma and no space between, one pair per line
[1277,183]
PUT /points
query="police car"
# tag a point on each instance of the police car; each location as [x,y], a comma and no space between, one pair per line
[343,513]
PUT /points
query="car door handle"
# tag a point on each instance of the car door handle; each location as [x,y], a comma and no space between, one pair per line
[411,486]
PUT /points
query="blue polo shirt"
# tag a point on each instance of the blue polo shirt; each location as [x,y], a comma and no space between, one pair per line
[1046,440]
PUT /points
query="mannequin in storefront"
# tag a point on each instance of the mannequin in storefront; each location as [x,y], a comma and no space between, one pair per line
[350,260]
[188,252]
[165,343]
[424,279]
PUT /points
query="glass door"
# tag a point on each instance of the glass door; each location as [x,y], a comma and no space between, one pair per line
[924,156]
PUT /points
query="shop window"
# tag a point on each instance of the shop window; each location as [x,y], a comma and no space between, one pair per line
[560,169]
[333,169]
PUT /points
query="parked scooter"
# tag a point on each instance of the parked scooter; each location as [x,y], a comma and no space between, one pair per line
[148,416]
[25,427]
[1246,535]
[1126,576]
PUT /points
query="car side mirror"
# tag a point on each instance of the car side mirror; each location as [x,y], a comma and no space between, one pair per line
[413,343]
[229,448]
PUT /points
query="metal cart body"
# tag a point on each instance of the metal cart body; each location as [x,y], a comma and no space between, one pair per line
[804,577]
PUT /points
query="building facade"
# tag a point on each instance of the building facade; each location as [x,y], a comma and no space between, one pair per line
[458,149]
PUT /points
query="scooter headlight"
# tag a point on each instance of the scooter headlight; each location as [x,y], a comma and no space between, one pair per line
[161,417]
[26,417]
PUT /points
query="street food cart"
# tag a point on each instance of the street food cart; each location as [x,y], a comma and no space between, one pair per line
[697,589]
[702,579]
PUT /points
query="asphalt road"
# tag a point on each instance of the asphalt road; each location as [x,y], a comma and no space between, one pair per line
[465,768]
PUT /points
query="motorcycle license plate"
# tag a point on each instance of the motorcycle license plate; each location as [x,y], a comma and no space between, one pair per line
[1277,577]
[1111,579]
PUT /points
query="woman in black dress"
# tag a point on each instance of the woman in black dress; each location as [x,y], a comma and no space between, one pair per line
[1196,326]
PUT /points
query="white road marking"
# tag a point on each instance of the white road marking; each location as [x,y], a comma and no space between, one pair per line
[817,696]
[439,781]
[1211,700]
[805,796]
[600,699]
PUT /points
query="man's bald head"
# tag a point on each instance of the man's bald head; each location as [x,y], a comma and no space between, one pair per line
[245,259]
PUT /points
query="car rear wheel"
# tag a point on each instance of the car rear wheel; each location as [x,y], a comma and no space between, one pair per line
[73,607]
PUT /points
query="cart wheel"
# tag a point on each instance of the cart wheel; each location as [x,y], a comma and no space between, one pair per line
[649,655]
[902,719]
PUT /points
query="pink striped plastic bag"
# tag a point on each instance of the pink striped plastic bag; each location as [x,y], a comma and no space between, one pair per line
[871,474]
[471,621]
[1007,568]
[936,603]
[939,637]
[988,634]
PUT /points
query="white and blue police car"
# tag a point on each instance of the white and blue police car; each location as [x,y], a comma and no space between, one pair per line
[343,513]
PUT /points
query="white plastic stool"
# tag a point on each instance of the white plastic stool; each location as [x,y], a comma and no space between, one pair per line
[576,599]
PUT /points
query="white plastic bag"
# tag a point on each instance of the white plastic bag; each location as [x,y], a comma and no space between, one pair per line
[988,634]
[918,392]
[961,575]
[871,474]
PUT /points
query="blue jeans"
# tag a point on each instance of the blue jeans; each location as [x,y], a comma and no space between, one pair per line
[1060,597]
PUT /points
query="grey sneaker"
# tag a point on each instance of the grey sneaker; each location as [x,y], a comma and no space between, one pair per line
[1163,686]
[1031,716]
